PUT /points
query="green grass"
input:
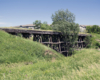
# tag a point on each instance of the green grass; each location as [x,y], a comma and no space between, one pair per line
[15,49]
[96,36]
[95,40]
[17,63]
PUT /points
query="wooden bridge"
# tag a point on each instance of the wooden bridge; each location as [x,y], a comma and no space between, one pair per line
[55,40]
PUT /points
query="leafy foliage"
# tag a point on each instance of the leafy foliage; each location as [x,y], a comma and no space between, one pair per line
[93,29]
[88,28]
[37,24]
[95,40]
[88,41]
[64,21]
[19,34]
[45,26]
[62,15]
[70,32]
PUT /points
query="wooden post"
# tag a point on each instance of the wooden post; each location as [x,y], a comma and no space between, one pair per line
[51,41]
[34,38]
[59,44]
[41,38]
[77,44]
[82,42]
[49,38]
[37,38]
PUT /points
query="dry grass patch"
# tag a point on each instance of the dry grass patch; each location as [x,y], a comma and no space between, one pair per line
[49,52]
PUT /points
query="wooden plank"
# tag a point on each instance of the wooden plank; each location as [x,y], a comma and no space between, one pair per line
[39,35]
[64,51]
[31,31]
[35,32]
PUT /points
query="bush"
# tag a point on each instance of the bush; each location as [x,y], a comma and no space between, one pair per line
[88,41]
[97,45]
[70,33]
[93,29]
[88,29]
[19,34]
[45,27]
[91,42]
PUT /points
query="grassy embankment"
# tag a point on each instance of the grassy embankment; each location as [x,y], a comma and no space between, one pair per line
[22,59]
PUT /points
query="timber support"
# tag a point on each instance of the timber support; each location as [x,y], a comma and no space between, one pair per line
[55,40]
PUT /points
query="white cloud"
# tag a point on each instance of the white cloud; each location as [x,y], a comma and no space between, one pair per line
[2,23]
[5,24]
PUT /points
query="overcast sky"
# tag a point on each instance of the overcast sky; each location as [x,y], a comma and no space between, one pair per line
[22,12]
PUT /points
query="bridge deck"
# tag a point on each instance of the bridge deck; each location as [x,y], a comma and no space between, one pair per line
[35,31]
[30,31]
[53,39]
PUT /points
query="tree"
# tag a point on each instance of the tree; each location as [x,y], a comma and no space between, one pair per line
[88,41]
[89,29]
[45,22]
[64,21]
[62,15]
[95,28]
[37,24]
[45,26]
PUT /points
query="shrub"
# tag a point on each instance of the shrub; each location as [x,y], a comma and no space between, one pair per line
[88,41]
[92,42]
[97,45]
[93,29]
[37,24]
[64,21]
[19,34]
[88,29]
[45,27]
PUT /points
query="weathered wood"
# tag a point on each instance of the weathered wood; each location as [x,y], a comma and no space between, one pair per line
[55,40]
[51,41]
[59,44]
[29,31]
[35,31]
[39,38]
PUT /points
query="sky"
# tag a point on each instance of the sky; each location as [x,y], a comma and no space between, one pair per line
[22,12]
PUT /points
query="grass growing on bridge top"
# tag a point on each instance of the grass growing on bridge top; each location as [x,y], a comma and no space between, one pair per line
[40,30]
[18,63]
[28,29]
